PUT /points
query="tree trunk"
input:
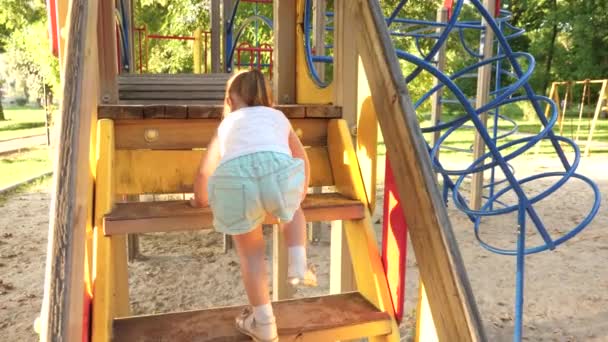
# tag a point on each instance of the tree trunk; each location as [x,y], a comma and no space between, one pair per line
[551,52]
[2,118]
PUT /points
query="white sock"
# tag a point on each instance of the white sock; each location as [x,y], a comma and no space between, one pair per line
[297,262]
[263,313]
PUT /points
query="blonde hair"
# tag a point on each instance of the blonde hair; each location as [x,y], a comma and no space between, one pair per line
[251,87]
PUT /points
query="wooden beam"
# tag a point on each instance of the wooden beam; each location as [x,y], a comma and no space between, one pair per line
[345,96]
[227,6]
[441,266]
[108,63]
[284,52]
[130,17]
[598,109]
[484,79]
[280,288]
[216,34]
[110,275]
[62,308]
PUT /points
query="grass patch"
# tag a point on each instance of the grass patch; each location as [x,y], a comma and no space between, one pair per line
[22,166]
[39,185]
[21,122]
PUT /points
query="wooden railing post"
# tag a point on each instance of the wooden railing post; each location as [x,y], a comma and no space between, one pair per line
[71,205]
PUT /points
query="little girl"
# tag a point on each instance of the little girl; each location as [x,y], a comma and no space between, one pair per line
[256,166]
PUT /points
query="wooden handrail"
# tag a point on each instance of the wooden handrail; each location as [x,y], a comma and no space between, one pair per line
[442,270]
[62,309]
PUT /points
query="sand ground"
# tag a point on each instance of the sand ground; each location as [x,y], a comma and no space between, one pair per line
[566,293]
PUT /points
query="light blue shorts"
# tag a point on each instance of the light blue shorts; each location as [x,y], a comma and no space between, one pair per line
[244,189]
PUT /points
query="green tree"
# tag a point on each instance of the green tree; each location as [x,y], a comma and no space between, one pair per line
[29,55]
[16,14]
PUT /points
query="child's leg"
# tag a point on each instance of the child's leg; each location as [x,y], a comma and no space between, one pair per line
[250,248]
[295,236]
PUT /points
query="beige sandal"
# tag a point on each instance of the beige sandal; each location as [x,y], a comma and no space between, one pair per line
[308,280]
[246,324]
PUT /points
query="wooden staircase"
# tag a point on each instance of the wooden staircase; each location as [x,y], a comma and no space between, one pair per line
[156,149]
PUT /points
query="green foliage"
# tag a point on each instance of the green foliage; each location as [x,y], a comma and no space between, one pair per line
[174,18]
[16,14]
[29,58]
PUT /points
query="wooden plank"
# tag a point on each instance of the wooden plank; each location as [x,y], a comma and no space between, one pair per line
[172,134]
[111,290]
[194,111]
[64,291]
[119,112]
[218,78]
[205,112]
[172,95]
[296,319]
[216,28]
[280,288]
[139,87]
[292,111]
[169,216]
[108,64]
[170,102]
[441,266]
[323,111]
[284,79]
[484,79]
[140,172]
[345,80]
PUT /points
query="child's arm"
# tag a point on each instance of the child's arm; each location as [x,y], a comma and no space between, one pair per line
[297,150]
[206,168]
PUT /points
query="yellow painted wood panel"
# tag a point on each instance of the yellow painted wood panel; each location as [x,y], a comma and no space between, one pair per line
[110,283]
[364,253]
[367,138]
[175,134]
[306,89]
[344,164]
[141,171]
[425,326]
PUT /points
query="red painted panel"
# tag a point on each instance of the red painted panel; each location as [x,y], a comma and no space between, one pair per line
[51,10]
[394,242]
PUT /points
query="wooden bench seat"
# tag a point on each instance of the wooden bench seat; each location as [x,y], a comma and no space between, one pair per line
[169,216]
[328,318]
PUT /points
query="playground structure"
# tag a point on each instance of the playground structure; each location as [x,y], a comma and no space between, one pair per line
[566,100]
[130,135]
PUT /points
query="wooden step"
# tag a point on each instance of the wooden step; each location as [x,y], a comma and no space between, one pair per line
[171,216]
[328,318]
[180,109]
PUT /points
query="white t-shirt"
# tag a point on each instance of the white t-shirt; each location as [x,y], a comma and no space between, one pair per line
[253,129]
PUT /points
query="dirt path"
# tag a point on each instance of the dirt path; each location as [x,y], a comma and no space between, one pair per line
[14,145]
